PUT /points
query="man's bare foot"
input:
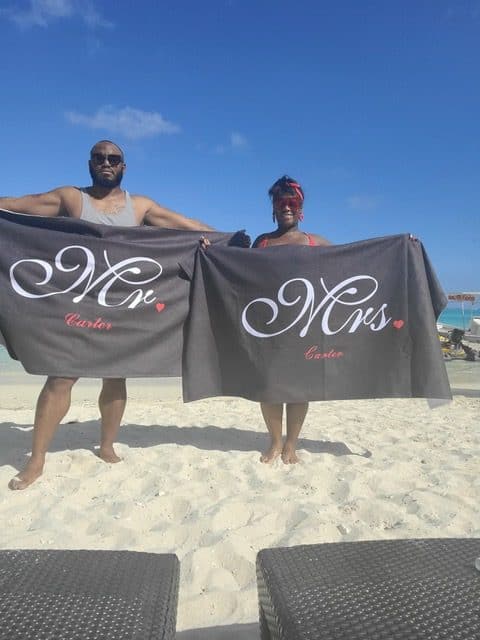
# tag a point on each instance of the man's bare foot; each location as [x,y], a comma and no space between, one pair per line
[107,454]
[289,455]
[26,477]
[272,454]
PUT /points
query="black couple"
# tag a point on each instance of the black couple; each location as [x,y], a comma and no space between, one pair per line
[105,202]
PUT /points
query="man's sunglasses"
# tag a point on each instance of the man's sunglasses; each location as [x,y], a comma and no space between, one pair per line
[100,158]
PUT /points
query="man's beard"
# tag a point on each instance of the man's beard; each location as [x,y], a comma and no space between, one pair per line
[108,182]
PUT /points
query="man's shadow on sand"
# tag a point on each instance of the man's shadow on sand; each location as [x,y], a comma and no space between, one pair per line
[85,435]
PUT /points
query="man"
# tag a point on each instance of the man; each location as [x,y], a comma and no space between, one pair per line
[103,203]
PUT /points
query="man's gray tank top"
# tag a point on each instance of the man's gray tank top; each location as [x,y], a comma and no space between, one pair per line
[124,217]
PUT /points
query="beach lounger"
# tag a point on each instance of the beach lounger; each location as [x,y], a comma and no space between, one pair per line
[87,595]
[382,590]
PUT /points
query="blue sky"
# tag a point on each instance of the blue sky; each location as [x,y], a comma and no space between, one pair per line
[372,105]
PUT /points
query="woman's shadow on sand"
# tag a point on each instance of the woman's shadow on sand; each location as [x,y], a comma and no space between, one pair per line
[85,435]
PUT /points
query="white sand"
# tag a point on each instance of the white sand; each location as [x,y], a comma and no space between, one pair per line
[191,483]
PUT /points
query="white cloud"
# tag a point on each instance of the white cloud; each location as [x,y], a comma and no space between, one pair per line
[41,13]
[133,124]
[92,18]
[237,140]
[363,202]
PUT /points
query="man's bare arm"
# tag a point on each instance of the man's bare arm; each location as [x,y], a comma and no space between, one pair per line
[52,203]
[159,216]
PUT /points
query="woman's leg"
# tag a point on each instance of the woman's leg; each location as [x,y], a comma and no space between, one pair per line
[272,414]
[296,412]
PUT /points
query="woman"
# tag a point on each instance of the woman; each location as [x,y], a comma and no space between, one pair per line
[287,199]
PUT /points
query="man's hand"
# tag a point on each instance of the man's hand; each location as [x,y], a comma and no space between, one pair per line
[240,239]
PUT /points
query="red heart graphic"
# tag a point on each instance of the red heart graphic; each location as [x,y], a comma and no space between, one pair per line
[159,306]
[398,324]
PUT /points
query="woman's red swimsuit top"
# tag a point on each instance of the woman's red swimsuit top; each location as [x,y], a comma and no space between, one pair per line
[264,242]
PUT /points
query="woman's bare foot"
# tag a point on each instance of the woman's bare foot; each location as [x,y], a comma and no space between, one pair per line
[272,454]
[107,454]
[289,454]
[32,471]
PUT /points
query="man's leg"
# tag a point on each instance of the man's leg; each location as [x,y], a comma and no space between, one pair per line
[296,412]
[52,406]
[272,414]
[112,401]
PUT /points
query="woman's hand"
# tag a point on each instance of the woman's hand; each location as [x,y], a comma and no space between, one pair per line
[204,242]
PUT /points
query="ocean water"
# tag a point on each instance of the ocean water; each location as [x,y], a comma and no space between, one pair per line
[456,318]
[7,365]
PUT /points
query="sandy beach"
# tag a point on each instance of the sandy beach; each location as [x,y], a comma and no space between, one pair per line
[191,483]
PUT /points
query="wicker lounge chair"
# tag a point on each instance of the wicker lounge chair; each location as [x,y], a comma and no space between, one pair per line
[383,590]
[87,595]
